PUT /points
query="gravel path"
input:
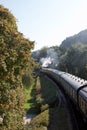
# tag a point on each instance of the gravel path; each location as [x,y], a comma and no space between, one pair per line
[28,118]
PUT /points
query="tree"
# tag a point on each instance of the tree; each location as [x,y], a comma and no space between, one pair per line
[15,51]
[75,60]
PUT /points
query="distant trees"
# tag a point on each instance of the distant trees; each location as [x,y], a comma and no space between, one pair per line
[73,54]
[71,58]
[74,60]
[15,51]
[37,55]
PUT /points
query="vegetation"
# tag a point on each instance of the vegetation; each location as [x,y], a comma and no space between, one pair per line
[37,98]
[45,98]
[16,75]
[46,93]
[75,61]
[31,106]
[51,116]
[73,56]
[15,51]
[51,119]
[37,55]
[40,122]
[77,39]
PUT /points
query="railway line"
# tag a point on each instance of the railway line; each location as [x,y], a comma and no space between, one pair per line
[76,119]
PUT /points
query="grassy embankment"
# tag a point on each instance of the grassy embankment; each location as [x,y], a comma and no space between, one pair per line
[42,99]
[31,106]
[39,96]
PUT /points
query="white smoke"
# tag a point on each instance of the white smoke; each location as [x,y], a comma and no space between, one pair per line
[51,59]
[45,61]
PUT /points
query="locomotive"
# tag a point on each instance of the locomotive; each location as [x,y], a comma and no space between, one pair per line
[74,87]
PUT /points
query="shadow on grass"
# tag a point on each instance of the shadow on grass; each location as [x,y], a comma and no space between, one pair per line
[44,102]
[34,106]
[49,94]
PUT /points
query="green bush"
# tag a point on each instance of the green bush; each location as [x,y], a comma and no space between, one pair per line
[15,58]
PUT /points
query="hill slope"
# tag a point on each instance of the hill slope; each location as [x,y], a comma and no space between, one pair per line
[80,38]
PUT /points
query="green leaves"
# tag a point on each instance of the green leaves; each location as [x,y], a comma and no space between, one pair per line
[75,60]
[15,59]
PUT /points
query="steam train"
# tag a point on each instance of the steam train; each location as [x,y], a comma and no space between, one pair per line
[74,87]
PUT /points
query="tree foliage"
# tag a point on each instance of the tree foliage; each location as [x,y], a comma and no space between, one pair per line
[75,61]
[15,51]
[77,39]
[37,55]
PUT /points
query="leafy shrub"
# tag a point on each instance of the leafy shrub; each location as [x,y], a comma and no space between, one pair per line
[15,58]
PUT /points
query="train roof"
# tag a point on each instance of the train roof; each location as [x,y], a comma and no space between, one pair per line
[76,83]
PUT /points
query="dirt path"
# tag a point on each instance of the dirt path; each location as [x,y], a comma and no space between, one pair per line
[27,118]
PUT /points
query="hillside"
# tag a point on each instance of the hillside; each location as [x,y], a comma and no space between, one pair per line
[73,56]
[77,39]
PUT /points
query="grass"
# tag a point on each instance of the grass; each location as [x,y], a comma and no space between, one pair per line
[41,98]
[31,105]
[46,91]
[50,119]
[40,122]
[28,96]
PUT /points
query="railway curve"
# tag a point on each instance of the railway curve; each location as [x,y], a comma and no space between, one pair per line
[74,116]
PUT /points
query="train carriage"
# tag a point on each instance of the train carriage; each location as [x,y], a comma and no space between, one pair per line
[75,87]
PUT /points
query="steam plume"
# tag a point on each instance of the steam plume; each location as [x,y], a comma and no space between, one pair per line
[51,59]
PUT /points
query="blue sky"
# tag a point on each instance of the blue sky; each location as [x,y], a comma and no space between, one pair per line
[48,22]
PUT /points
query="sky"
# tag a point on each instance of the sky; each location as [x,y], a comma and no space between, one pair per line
[48,22]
